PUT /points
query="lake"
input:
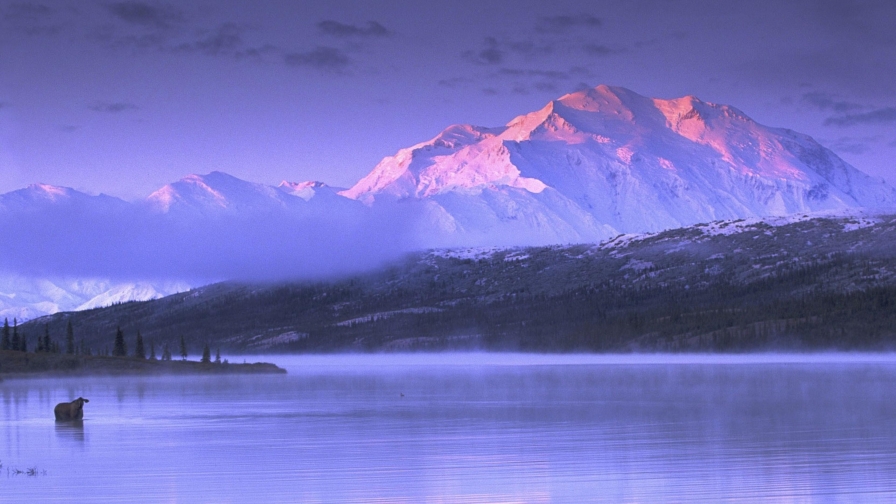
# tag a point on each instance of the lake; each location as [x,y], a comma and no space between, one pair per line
[463,428]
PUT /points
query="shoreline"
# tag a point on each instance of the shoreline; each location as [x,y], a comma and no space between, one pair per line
[14,365]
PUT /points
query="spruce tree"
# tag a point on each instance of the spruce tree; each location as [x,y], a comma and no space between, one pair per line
[120,349]
[15,335]
[217,356]
[7,342]
[152,350]
[140,353]
[206,354]
[69,339]
[166,353]
[24,343]
[183,349]
[47,346]
[40,345]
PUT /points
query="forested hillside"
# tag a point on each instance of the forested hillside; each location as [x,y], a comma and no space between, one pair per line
[822,283]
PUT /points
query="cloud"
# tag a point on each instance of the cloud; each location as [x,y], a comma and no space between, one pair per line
[565,24]
[328,59]
[828,101]
[143,14]
[224,40]
[337,29]
[112,107]
[884,115]
[530,48]
[600,50]
[32,18]
[100,236]
[854,145]
[491,54]
[545,74]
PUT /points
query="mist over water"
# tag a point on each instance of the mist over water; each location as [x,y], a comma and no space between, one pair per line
[468,428]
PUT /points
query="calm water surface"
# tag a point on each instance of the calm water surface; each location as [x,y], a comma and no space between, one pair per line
[466,428]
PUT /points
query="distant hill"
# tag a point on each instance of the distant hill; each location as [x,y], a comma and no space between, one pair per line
[796,283]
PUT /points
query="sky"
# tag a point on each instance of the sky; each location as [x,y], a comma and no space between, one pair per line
[124,97]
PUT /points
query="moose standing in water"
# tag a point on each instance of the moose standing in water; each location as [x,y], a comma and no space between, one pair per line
[70,410]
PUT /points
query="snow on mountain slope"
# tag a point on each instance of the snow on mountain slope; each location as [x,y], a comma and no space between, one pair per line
[26,298]
[604,161]
[43,197]
[217,193]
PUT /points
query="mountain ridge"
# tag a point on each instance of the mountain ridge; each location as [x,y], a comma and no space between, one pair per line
[586,167]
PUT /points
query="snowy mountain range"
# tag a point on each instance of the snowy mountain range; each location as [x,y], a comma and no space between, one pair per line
[605,161]
[586,167]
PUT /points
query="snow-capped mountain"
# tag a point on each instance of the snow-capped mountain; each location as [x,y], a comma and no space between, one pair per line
[45,197]
[216,193]
[25,298]
[605,161]
[586,167]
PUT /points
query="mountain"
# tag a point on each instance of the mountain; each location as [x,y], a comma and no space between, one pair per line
[218,193]
[586,167]
[605,161]
[797,282]
[29,297]
[38,198]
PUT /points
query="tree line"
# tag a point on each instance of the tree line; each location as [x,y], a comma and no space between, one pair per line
[14,341]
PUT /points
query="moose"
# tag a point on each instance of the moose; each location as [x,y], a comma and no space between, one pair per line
[70,410]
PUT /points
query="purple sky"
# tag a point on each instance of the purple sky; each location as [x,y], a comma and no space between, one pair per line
[124,97]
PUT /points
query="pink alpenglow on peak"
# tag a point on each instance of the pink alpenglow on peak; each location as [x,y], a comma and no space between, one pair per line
[606,160]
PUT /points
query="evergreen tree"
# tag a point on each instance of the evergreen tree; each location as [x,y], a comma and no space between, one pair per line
[166,353]
[15,335]
[217,356]
[120,349]
[140,353]
[183,349]
[24,343]
[206,354]
[7,342]
[69,339]
[40,345]
[48,347]
[152,350]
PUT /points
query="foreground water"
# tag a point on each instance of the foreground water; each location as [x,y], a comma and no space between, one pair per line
[466,428]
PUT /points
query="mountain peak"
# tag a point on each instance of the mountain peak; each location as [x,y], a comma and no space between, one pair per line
[607,159]
[305,190]
[48,191]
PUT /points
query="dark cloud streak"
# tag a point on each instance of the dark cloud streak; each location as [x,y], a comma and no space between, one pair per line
[337,29]
[828,101]
[884,115]
[329,59]
[489,55]
[32,19]
[143,14]
[565,24]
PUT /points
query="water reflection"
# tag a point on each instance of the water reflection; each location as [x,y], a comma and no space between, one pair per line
[71,430]
[401,431]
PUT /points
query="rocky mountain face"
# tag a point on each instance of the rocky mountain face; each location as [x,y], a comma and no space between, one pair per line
[605,161]
[583,169]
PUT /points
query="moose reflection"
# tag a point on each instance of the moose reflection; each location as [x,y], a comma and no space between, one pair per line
[70,410]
